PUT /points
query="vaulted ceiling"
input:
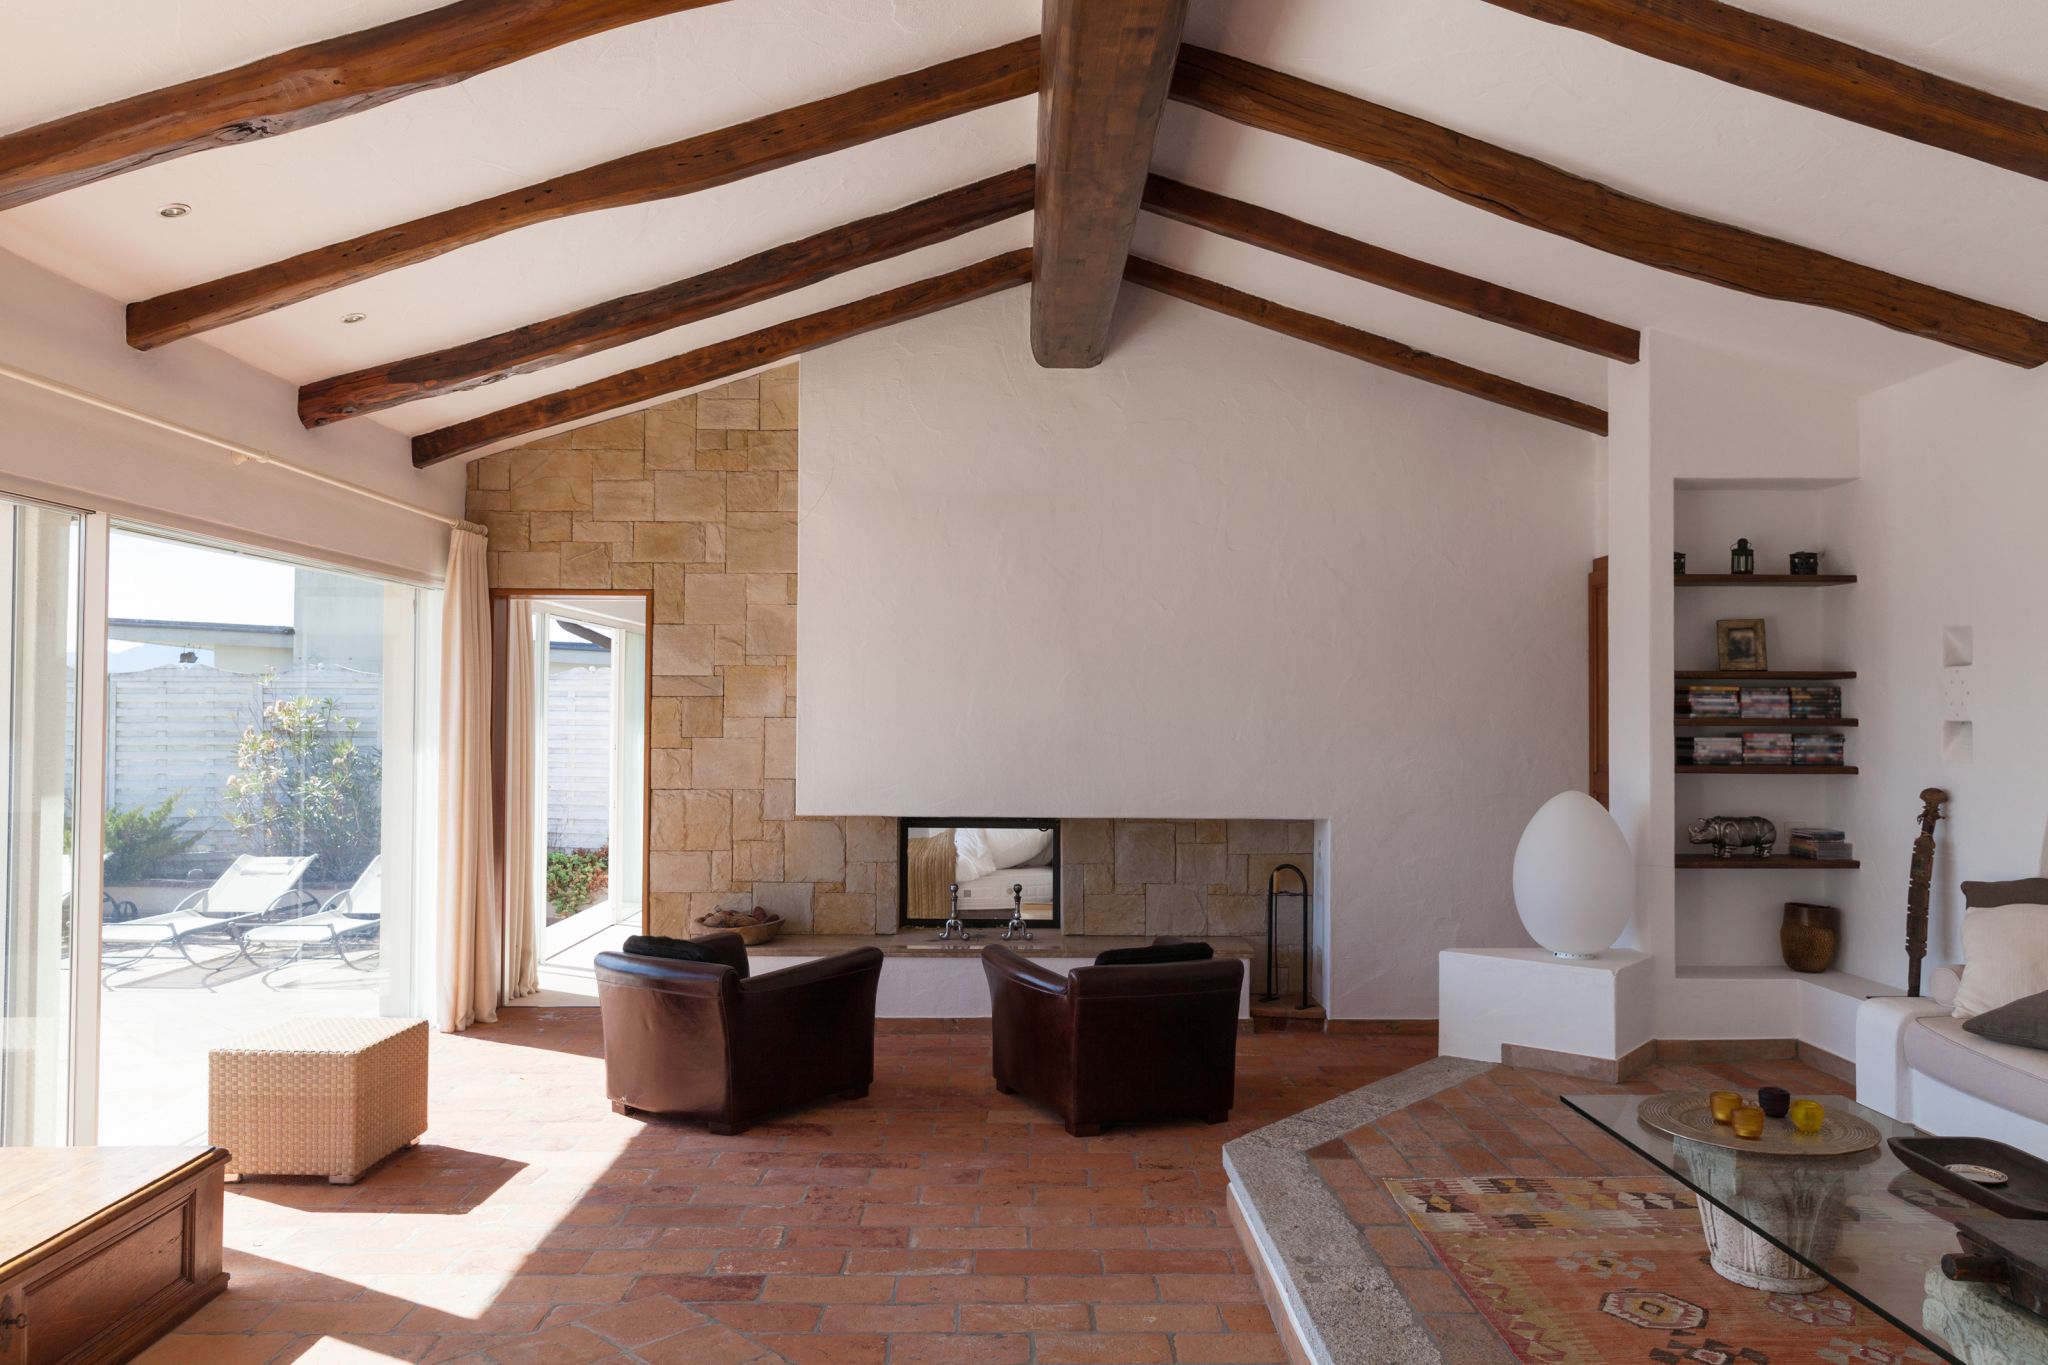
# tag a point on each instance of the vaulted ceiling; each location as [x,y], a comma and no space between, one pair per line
[1490,194]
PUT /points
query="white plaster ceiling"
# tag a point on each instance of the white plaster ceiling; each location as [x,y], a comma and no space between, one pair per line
[1643,126]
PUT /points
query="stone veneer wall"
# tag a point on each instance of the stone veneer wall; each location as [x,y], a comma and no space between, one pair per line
[1186,877]
[695,500]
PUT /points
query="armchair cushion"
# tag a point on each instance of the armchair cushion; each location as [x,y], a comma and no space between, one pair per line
[654,945]
[1161,950]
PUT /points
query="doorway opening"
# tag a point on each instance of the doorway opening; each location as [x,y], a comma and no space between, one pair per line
[576,677]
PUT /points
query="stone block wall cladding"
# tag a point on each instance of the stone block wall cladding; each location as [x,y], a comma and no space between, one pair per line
[1186,877]
[696,501]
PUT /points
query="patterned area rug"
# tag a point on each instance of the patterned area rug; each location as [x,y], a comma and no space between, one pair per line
[1607,1269]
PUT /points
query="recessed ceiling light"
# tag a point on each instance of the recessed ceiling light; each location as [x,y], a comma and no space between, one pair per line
[174,210]
[353,317]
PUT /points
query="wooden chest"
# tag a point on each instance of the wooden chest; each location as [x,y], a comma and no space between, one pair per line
[104,1249]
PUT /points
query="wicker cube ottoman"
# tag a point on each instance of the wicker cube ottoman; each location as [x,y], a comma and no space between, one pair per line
[318,1096]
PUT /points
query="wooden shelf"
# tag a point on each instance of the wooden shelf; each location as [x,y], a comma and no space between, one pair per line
[1763,580]
[1780,862]
[1758,723]
[1770,769]
[1765,675]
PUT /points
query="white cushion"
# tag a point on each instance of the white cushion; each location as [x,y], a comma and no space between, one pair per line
[2013,1078]
[1016,847]
[2006,947]
[975,860]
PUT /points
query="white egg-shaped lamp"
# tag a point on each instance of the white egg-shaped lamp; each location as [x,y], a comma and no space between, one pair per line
[1575,879]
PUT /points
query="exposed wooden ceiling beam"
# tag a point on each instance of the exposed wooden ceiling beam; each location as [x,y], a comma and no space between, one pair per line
[1768,55]
[1102,88]
[1262,227]
[1374,350]
[298,89]
[722,360]
[586,331]
[763,144]
[1540,195]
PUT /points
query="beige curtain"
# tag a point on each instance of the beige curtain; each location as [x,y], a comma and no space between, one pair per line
[466,933]
[523,758]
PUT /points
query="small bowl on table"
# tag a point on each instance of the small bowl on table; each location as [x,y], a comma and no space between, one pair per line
[754,933]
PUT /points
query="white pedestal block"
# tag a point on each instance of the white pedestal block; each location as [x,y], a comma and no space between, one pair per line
[1589,1007]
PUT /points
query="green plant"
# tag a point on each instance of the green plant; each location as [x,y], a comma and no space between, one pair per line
[302,784]
[576,878]
[142,838]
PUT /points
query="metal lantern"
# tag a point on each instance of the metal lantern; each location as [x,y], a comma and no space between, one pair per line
[1741,558]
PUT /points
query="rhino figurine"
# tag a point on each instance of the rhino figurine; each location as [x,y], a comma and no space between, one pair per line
[1730,832]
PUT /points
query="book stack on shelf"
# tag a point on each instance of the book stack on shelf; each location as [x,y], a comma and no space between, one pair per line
[1817,750]
[1710,751]
[1811,841]
[1767,703]
[1767,747]
[1733,701]
[1816,703]
[1710,699]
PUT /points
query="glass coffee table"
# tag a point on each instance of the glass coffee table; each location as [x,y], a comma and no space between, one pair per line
[1862,1222]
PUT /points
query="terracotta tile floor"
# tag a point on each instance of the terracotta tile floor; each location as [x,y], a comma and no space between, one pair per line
[1504,1122]
[934,1222]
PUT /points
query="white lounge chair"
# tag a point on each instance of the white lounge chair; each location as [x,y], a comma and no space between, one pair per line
[252,886]
[354,914]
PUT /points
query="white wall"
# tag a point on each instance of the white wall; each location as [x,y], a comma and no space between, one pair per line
[54,447]
[1224,574]
[1719,426]
[1947,522]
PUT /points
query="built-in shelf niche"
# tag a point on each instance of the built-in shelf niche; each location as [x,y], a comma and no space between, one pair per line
[1729,925]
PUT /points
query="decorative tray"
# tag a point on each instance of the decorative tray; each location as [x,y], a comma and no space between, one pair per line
[1691,1116]
[2024,1194]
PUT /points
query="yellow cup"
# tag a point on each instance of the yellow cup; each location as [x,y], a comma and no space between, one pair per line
[1748,1122]
[1807,1115]
[1724,1104]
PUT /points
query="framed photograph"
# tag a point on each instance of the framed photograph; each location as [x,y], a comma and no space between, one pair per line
[1739,645]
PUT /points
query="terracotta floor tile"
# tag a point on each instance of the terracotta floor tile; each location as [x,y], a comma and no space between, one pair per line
[1230,1348]
[934,1222]
[1103,1348]
[1157,1317]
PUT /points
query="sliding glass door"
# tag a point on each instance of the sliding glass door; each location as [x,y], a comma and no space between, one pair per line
[262,849]
[40,595]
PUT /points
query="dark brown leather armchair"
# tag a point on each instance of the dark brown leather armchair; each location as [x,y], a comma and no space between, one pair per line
[707,1040]
[1109,1045]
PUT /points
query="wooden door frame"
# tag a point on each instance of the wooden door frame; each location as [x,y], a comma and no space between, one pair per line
[501,616]
[1598,775]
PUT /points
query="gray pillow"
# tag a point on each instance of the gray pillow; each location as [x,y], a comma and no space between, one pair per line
[1990,895]
[2023,1023]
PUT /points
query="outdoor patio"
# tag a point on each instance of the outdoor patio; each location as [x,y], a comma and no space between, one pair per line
[160,1017]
